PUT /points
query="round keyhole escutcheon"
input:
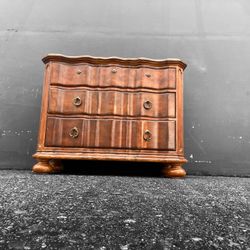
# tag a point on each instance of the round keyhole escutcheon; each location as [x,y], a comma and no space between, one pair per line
[77,101]
[74,132]
[147,136]
[147,104]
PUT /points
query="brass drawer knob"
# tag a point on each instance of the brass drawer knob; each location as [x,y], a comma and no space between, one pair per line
[147,105]
[147,135]
[148,75]
[74,132]
[114,70]
[78,72]
[77,101]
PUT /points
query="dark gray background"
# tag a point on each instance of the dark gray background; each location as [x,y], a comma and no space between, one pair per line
[212,37]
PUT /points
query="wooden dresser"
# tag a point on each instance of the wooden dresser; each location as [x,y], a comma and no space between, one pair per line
[119,109]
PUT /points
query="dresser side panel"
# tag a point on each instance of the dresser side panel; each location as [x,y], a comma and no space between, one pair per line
[179,108]
[44,107]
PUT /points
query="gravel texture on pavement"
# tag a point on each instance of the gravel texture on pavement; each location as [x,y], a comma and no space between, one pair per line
[79,211]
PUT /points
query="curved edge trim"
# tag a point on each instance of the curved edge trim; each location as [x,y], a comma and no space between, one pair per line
[110,60]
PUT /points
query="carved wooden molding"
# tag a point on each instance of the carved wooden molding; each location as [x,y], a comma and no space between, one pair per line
[114,60]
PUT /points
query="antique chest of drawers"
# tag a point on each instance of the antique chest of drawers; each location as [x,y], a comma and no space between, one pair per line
[121,109]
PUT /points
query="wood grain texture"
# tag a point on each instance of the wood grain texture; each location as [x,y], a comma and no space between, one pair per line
[108,155]
[107,133]
[111,109]
[113,76]
[108,102]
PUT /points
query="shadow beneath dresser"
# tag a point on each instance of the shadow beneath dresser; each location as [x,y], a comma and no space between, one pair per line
[113,168]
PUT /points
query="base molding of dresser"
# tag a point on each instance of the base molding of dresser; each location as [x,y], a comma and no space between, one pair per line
[51,162]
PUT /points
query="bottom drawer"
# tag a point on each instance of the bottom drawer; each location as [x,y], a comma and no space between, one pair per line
[108,133]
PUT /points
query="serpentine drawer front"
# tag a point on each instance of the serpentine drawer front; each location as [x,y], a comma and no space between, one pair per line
[110,133]
[128,109]
[116,103]
[113,76]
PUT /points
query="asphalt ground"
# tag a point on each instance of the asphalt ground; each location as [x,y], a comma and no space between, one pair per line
[98,210]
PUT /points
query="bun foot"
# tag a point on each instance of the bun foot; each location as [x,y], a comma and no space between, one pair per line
[46,166]
[174,171]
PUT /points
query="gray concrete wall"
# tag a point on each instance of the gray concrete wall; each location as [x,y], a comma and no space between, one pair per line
[212,37]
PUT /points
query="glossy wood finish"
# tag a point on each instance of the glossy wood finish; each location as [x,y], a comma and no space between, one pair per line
[112,109]
[110,133]
[113,76]
[79,101]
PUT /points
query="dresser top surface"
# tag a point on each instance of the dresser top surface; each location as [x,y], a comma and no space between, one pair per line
[114,60]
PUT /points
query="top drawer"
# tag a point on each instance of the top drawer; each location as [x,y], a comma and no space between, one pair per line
[113,76]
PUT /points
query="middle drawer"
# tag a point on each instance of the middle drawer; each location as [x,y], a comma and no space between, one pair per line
[109,102]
